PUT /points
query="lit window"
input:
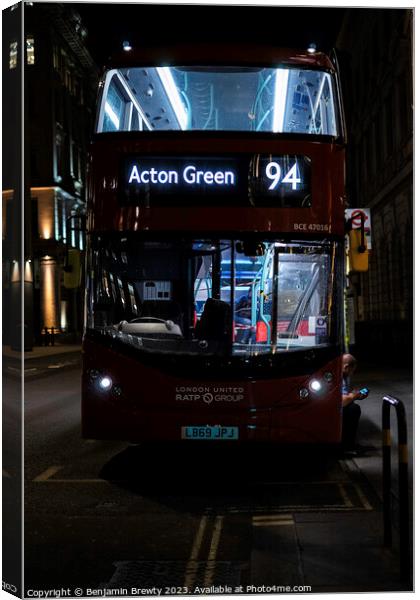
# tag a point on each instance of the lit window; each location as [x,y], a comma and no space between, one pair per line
[58,155]
[30,50]
[13,55]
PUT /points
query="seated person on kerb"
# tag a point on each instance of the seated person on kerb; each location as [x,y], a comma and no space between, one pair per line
[351,410]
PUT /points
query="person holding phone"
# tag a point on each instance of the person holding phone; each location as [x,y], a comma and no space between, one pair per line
[351,410]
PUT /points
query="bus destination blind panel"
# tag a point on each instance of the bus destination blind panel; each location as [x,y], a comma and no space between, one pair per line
[260,180]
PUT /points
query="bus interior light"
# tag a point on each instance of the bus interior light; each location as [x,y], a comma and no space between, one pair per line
[328,376]
[280,94]
[173,95]
[311,48]
[127,46]
[303,393]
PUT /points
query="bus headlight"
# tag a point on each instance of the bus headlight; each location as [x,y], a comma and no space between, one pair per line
[105,383]
[117,391]
[94,374]
[315,385]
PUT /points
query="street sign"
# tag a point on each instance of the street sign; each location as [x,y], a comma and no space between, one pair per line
[355,214]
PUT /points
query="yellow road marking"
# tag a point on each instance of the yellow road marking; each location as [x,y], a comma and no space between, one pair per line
[365,502]
[344,495]
[272,520]
[192,567]
[45,475]
[78,481]
[283,517]
[273,523]
[214,545]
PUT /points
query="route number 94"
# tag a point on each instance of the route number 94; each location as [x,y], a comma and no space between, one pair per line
[273,172]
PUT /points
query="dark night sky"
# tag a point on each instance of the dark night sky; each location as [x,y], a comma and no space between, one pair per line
[110,24]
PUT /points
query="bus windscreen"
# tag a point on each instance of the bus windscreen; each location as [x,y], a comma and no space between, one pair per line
[213,296]
[277,100]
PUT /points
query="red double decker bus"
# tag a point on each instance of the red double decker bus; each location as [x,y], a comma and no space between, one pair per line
[214,302]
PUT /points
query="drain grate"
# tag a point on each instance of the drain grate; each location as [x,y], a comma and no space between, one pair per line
[147,574]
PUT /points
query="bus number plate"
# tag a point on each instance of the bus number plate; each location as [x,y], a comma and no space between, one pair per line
[199,432]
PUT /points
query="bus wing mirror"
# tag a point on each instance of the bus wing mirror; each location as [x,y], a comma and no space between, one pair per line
[72,269]
[358,252]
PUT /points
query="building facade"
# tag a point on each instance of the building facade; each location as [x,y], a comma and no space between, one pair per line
[60,85]
[376,46]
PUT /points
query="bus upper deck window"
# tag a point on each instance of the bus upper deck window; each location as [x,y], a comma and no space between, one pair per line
[113,110]
[205,98]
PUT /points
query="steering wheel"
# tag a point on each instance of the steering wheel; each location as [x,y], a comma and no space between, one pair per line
[169,324]
[137,319]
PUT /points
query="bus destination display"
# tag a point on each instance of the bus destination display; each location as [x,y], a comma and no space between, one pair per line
[259,180]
